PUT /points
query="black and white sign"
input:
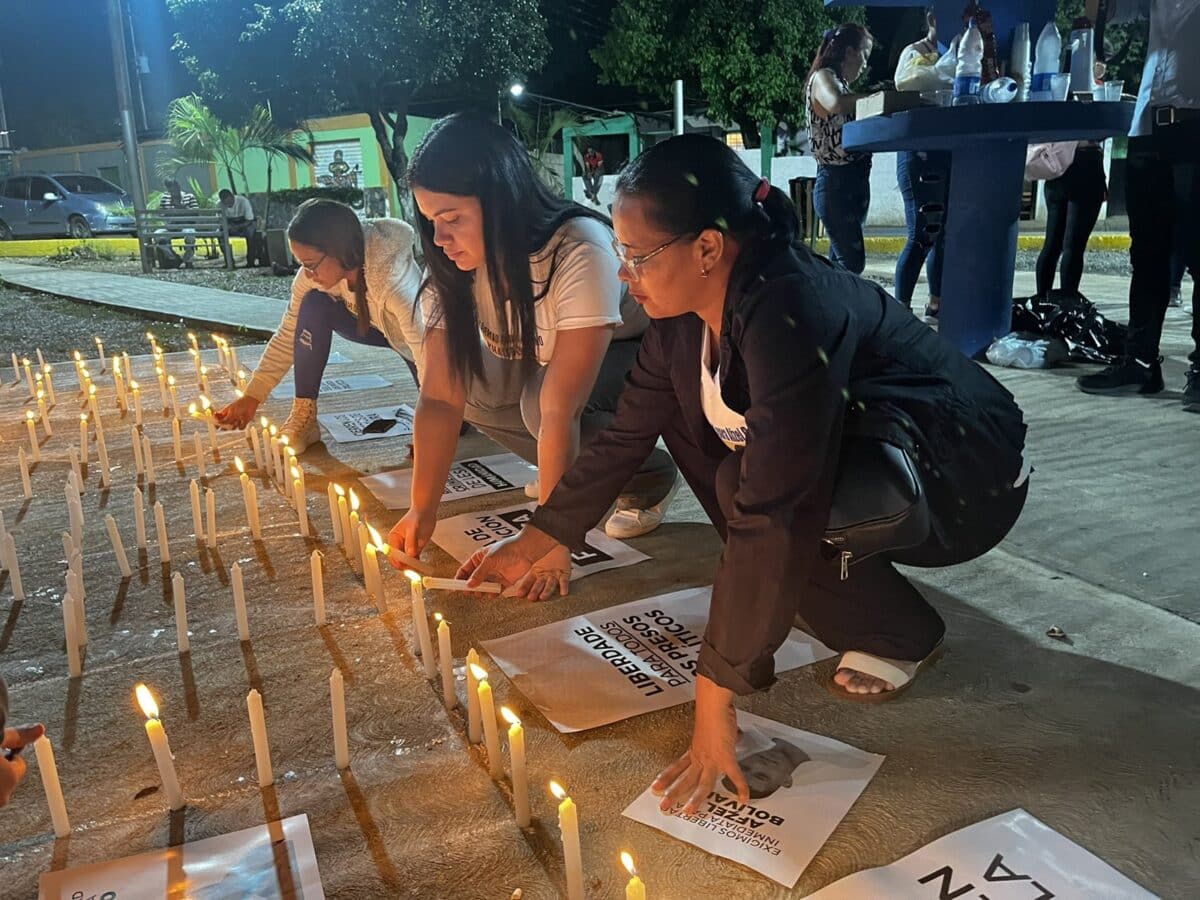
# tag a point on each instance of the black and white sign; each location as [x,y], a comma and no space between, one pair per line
[368,424]
[467,478]
[1012,856]
[623,661]
[335,385]
[801,786]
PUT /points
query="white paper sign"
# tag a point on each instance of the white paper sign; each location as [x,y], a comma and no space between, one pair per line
[267,861]
[1012,856]
[468,478]
[623,661]
[460,536]
[336,385]
[801,786]
[359,424]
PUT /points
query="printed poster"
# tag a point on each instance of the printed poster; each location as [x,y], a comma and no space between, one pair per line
[622,661]
[460,536]
[368,424]
[268,861]
[335,385]
[801,786]
[1012,856]
[468,478]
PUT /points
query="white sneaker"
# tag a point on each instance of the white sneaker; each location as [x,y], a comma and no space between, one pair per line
[301,427]
[630,523]
[532,489]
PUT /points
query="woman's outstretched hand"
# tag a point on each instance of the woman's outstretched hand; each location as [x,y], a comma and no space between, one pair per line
[713,753]
[530,564]
[237,414]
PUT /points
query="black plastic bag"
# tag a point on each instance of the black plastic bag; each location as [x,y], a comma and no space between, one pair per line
[1074,320]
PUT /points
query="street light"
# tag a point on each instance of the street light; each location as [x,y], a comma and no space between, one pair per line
[518,90]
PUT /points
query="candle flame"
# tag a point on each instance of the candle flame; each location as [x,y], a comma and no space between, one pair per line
[192,409]
[353,501]
[264,422]
[291,452]
[205,403]
[25,361]
[509,716]
[337,489]
[376,538]
[171,380]
[41,395]
[408,573]
[99,342]
[627,862]
[479,672]
[437,617]
[203,371]
[146,701]
[133,385]
[557,790]
[83,418]
[158,371]
[295,473]
[150,336]
[191,337]
[78,356]
[46,368]
[241,466]
[273,430]
[92,389]
[239,393]
[29,414]
[283,438]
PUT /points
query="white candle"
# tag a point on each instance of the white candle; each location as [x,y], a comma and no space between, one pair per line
[256,446]
[50,385]
[160,525]
[318,587]
[341,740]
[137,402]
[161,748]
[240,384]
[568,824]
[29,376]
[460,584]
[210,420]
[50,784]
[255,525]
[148,460]
[301,504]
[233,361]
[201,469]
[23,464]
[372,578]
[34,450]
[446,662]
[16,369]
[474,723]
[195,345]
[128,366]
[41,359]
[70,611]
[197,514]
[487,710]
[45,414]
[139,518]
[118,548]
[174,392]
[204,379]
[83,438]
[119,384]
[353,545]
[334,518]
[421,623]
[360,547]
[73,457]
[177,437]
[136,439]
[343,516]
[102,455]
[162,387]
[210,505]
[516,755]
[100,352]
[258,734]
[95,410]
[239,602]
[14,568]
[75,514]
[181,628]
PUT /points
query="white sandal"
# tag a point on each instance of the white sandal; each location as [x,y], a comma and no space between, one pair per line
[899,673]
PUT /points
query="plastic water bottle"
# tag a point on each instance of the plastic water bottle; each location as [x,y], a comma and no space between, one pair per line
[1046,62]
[1002,90]
[1018,64]
[970,67]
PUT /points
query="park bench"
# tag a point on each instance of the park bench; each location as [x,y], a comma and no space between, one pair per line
[162,227]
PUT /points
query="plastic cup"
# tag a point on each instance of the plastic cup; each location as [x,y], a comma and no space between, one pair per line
[1060,86]
[1113,90]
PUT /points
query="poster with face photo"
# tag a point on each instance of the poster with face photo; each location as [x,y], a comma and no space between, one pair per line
[801,786]
[460,536]
[622,661]
[368,424]
[1012,856]
[467,478]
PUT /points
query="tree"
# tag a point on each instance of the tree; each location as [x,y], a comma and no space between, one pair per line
[372,56]
[747,58]
[538,135]
[198,136]
[277,143]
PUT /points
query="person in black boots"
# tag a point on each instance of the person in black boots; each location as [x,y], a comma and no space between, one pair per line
[1162,194]
[798,401]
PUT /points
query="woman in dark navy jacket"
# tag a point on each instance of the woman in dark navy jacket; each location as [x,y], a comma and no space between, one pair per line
[762,361]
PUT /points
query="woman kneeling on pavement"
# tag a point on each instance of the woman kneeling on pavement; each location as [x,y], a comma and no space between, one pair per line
[827,433]
[357,279]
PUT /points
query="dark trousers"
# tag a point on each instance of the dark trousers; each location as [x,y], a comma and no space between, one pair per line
[924,182]
[842,197]
[876,609]
[246,229]
[1163,199]
[1073,202]
[319,317]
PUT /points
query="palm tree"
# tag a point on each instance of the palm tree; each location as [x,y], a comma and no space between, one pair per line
[538,137]
[276,142]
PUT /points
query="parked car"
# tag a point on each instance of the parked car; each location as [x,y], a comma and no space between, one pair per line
[70,204]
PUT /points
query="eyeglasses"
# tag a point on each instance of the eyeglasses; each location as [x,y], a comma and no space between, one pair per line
[311,268]
[633,264]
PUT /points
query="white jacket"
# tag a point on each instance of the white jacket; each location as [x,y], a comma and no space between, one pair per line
[393,278]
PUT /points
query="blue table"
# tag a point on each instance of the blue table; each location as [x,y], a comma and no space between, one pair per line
[987,144]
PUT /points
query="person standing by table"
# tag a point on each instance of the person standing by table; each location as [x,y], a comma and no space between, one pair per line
[843,190]
[1162,193]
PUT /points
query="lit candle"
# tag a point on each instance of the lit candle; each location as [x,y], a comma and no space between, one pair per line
[34,450]
[210,505]
[83,438]
[375,546]
[343,510]
[341,740]
[50,784]
[174,392]
[194,342]
[361,543]
[152,341]
[196,361]
[100,352]
[160,747]
[119,384]
[233,362]
[258,734]
[318,587]
[29,375]
[239,602]
[17,367]
[139,518]
[177,594]
[333,512]
[280,461]
[197,514]
[26,484]
[177,438]
[50,384]
[201,469]
[118,548]
[353,545]
[516,755]
[137,402]
[160,526]
[446,662]
[162,387]
[211,420]
[487,710]
[635,889]
[474,724]
[148,459]
[44,413]
[204,379]
[136,440]
[95,410]
[244,480]
[460,584]
[568,824]
[241,379]
[220,350]
[421,623]
[301,505]
[128,365]
[41,359]
[14,568]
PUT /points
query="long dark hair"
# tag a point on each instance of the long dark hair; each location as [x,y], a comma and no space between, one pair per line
[334,229]
[470,156]
[693,182]
[836,43]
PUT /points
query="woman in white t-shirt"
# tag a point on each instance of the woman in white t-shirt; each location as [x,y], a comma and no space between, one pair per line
[535,276]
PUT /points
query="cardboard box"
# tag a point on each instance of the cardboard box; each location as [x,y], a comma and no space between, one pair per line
[884,103]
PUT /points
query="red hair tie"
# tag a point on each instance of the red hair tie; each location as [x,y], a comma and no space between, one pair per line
[763,189]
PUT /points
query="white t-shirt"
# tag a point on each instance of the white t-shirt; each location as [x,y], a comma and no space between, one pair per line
[583,293]
[241,208]
[730,426]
